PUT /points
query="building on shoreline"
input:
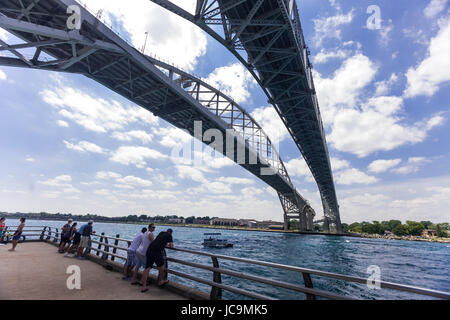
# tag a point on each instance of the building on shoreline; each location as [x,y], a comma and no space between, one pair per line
[224,222]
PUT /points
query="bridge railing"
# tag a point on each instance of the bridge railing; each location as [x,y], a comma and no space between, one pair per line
[109,249]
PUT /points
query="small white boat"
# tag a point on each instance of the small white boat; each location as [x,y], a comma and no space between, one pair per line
[213,241]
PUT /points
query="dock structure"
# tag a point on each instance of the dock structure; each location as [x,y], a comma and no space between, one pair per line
[36,271]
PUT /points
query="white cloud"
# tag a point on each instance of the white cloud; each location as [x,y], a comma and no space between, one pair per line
[170,37]
[354,176]
[344,88]
[85,146]
[135,155]
[383,87]
[3,34]
[134,181]
[271,123]
[380,166]
[376,124]
[299,168]
[107,175]
[62,123]
[432,72]
[30,159]
[94,114]
[59,181]
[134,134]
[233,80]
[102,192]
[412,166]
[235,180]
[338,164]
[329,27]
[188,172]
[323,56]
[172,137]
[2,75]
[434,8]
[385,33]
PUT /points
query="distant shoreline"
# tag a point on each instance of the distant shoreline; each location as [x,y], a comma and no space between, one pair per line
[354,235]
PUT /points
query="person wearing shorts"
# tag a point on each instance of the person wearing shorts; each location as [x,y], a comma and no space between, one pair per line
[17,234]
[131,254]
[85,231]
[65,236]
[141,260]
[74,239]
[155,255]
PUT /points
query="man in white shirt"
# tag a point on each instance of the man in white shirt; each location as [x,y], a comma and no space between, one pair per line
[131,254]
[141,258]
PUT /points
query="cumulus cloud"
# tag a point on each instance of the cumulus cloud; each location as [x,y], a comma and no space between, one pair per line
[85,146]
[354,176]
[107,175]
[383,87]
[434,8]
[413,165]
[136,155]
[62,123]
[134,181]
[380,166]
[93,113]
[298,168]
[377,123]
[330,27]
[170,37]
[233,80]
[271,123]
[2,75]
[324,56]
[141,135]
[427,78]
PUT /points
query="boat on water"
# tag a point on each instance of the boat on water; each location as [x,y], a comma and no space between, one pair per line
[213,240]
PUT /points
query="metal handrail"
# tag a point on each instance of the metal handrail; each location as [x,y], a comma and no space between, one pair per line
[307,289]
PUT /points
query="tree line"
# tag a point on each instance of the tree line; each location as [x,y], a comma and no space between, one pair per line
[410,228]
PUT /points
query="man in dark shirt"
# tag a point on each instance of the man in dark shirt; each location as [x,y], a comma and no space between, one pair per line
[85,231]
[155,255]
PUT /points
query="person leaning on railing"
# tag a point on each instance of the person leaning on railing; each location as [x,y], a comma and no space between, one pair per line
[155,255]
[85,231]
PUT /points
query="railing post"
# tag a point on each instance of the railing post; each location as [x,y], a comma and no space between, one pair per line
[42,234]
[105,255]
[166,265]
[100,244]
[308,283]
[56,236]
[116,243]
[49,234]
[216,293]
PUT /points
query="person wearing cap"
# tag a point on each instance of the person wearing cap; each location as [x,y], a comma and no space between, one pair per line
[85,231]
[155,255]
[65,236]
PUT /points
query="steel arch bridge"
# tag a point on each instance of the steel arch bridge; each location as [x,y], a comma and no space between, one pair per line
[267,38]
[96,52]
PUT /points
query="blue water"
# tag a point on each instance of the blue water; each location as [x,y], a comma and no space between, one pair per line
[421,264]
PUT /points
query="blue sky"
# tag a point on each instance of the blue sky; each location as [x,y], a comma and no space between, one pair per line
[70,145]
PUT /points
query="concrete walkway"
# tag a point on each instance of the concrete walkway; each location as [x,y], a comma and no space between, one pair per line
[37,271]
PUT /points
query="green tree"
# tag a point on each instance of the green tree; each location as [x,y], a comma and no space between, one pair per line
[391,224]
[427,224]
[190,220]
[440,232]
[400,230]
[415,228]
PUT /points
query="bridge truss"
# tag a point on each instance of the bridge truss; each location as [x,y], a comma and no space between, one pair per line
[97,52]
[267,38]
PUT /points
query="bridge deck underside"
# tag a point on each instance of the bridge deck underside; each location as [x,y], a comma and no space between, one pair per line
[281,67]
[124,74]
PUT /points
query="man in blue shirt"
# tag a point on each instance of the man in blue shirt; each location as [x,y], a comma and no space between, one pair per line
[85,231]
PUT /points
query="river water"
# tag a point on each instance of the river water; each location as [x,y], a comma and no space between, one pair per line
[421,264]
